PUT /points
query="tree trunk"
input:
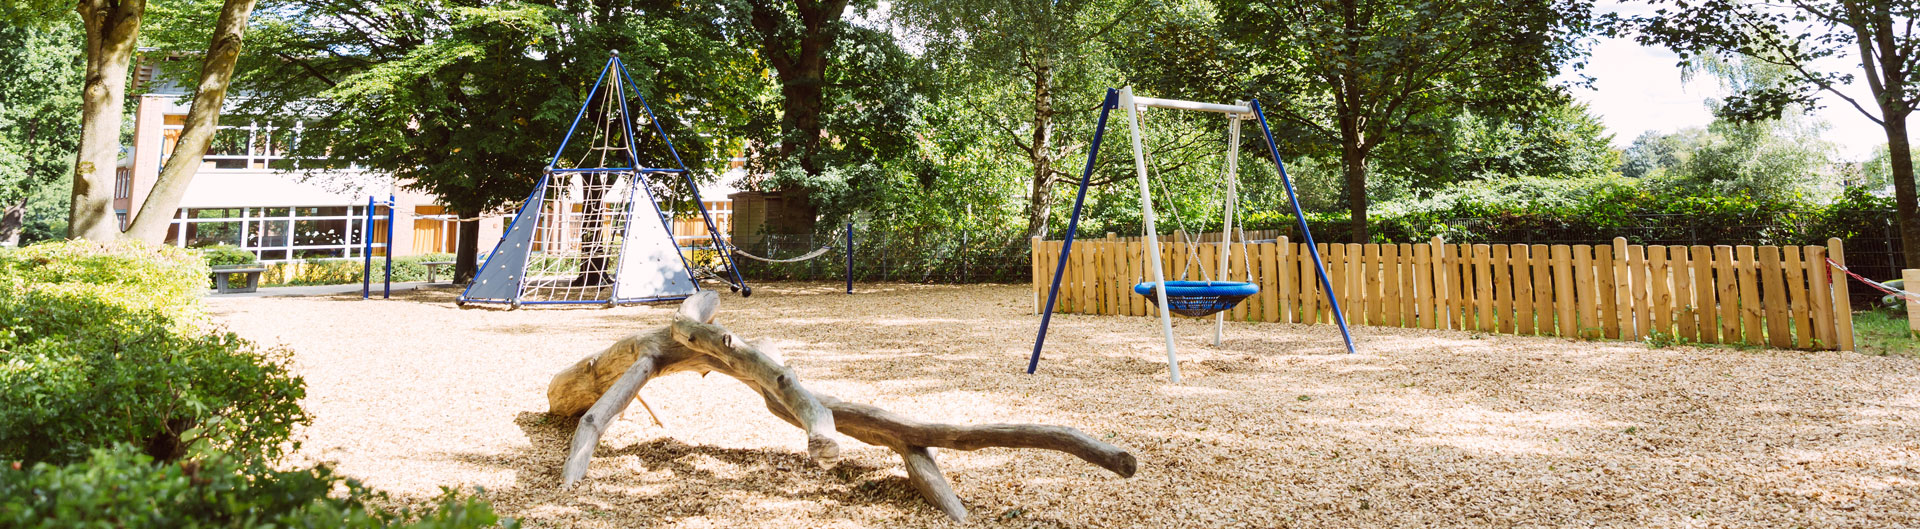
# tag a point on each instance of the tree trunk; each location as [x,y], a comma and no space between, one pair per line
[1906,204]
[216,72]
[1040,153]
[803,74]
[1353,163]
[599,387]
[10,222]
[113,29]
[466,249]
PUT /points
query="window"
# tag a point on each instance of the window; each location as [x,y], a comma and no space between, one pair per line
[250,146]
[279,233]
[123,183]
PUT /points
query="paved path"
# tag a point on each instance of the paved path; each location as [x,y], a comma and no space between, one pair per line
[326,290]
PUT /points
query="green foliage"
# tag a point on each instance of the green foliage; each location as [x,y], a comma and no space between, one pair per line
[41,68]
[127,276]
[99,348]
[1358,75]
[1773,159]
[226,255]
[1599,209]
[344,271]
[122,488]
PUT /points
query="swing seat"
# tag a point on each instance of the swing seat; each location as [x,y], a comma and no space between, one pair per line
[1199,298]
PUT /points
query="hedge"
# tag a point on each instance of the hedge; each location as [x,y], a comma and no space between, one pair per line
[101,345]
[123,488]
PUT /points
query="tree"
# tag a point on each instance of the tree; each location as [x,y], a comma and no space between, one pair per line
[1359,72]
[795,38]
[1802,37]
[1050,48]
[467,99]
[40,77]
[1770,160]
[112,33]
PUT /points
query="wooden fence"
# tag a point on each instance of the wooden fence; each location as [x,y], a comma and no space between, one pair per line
[1775,296]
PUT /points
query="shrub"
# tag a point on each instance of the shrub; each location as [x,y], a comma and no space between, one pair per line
[128,275]
[225,255]
[344,271]
[92,352]
[123,488]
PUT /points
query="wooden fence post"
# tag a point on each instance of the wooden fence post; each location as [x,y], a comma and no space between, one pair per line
[1842,302]
[1909,278]
[1034,267]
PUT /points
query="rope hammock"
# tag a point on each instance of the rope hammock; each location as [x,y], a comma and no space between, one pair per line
[809,255]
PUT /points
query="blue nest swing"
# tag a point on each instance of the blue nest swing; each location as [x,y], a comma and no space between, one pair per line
[1199,298]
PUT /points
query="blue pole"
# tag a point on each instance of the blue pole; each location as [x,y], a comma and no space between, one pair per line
[713,234]
[366,251]
[1325,284]
[849,257]
[1073,224]
[555,161]
[387,288]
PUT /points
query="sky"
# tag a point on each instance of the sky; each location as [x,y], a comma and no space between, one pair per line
[1638,88]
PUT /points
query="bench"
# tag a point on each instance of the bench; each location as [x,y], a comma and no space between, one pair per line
[433,269]
[223,279]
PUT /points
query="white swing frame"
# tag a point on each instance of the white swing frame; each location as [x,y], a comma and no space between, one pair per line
[1235,113]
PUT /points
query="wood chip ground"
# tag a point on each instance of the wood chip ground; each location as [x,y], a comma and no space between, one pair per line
[1277,428]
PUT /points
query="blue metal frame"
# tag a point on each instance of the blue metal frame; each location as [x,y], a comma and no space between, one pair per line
[639,173]
[584,103]
[1073,225]
[1326,285]
[713,231]
[366,252]
[386,291]
[583,301]
[849,257]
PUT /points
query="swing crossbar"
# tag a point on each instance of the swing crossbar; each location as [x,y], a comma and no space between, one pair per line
[1177,104]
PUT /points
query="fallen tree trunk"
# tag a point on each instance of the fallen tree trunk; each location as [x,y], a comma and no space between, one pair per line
[599,388]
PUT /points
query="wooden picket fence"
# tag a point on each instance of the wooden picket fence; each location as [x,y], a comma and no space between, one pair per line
[1776,296]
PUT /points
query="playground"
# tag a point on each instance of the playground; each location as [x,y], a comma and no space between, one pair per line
[1276,427]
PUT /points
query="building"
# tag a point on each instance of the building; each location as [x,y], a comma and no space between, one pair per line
[243,196]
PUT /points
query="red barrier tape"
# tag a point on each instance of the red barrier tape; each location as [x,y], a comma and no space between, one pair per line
[1902,294]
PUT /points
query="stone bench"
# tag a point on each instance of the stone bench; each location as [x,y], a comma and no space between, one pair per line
[433,269]
[223,279]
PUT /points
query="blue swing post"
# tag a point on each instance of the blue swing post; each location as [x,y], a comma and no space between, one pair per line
[1320,268]
[366,251]
[386,291]
[849,257]
[1073,224]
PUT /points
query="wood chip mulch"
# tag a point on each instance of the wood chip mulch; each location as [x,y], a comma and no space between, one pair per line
[1276,428]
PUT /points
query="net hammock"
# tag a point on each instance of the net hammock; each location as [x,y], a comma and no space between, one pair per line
[1198,299]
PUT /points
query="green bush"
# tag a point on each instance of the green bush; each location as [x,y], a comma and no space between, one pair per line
[123,488]
[93,351]
[131,276]
[344,271]
[225,255]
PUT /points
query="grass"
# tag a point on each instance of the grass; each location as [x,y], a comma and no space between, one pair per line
[1884,332]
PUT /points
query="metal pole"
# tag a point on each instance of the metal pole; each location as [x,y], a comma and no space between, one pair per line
[849,257]
[1073,224]
[1153,242]
[1325,284]
[366,250]
[1226,223]
[387,292]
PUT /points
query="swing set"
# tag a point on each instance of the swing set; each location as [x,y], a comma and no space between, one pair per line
[1211,294]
